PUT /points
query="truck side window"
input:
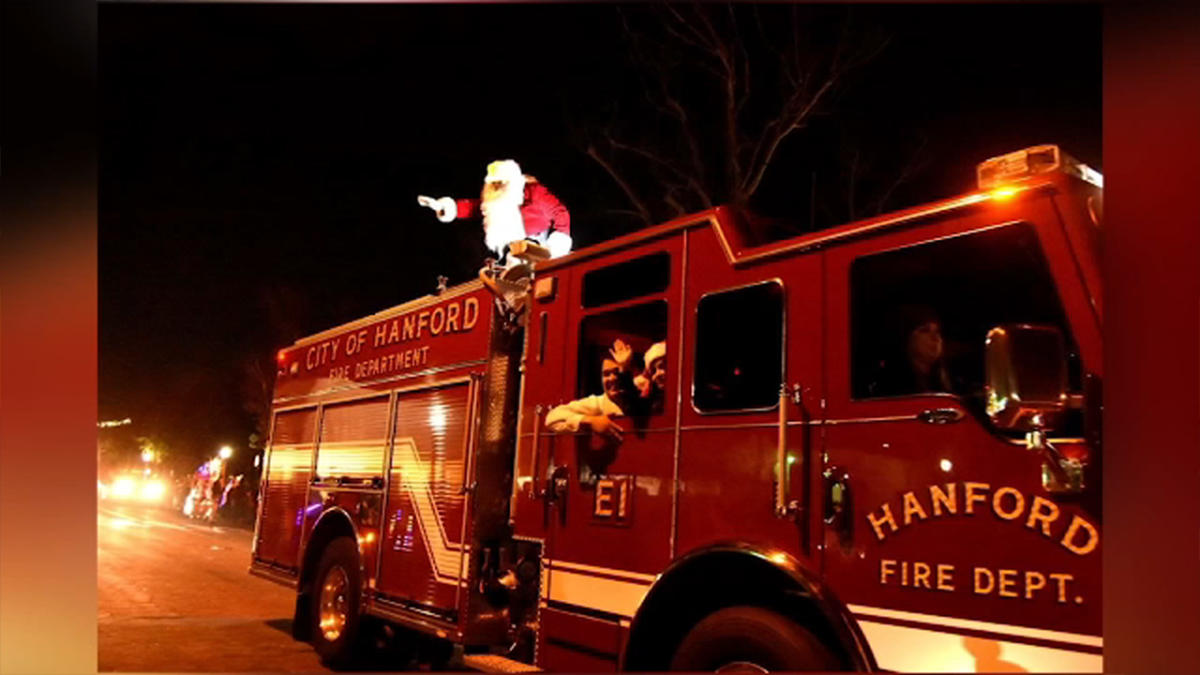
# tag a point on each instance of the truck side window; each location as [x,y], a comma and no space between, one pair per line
[739,349]
[640,326]
[958,288]
[646,275]
[353,439]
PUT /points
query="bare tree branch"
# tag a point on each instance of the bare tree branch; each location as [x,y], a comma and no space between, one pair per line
[783,127]
[643,212]
[688,179]
[910,167]
[722,88]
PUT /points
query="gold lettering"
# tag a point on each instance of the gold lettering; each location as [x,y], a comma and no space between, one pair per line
[1018,503]
[945,575]
[886,568]
[422,322]
[973,496]
[949,499]
[921,574]
[981,572]
[410,327]
[470,313]
[380,334]
[452,317]
[1068,540]
[394,335]
[438,321]
[1034,581]
[310,358]
[877,523]
[1062,580]
[1044,511]
[1008,579]
[911,506]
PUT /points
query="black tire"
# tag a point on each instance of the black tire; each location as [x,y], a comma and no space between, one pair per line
[340,646]
[752,638]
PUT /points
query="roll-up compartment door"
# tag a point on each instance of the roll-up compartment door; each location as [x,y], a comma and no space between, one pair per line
[284,486]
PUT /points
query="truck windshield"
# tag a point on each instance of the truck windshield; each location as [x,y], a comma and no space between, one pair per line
[920,314]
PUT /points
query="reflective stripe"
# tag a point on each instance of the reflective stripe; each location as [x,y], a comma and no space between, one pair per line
[443,554]
[906,649]
[607,590]
[970,624]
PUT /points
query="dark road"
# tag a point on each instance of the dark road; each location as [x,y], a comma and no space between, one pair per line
[174,595]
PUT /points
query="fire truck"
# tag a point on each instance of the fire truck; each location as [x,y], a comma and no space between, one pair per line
[788,500]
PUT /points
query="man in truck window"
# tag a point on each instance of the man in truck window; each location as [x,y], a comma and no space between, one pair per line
[596,412]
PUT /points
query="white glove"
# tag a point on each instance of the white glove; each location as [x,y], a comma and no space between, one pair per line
[445,208]
[559,244]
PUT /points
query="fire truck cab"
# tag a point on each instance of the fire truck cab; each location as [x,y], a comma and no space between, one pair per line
[875,447]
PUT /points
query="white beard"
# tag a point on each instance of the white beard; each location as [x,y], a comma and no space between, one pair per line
[502,221]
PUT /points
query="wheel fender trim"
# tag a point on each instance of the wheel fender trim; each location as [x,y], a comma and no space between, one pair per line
[839,618]
[325,520]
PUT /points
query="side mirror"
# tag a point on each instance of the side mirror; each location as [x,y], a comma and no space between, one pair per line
[1026,377]
[1027,391]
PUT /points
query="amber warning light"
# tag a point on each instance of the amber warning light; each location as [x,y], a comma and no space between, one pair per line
[997,171]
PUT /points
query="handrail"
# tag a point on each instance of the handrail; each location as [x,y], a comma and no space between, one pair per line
[781,470]
[537,455]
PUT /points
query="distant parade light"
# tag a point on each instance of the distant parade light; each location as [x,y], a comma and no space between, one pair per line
[226,452]
[114,423]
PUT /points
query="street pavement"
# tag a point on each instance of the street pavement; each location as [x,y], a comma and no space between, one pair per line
[175,596]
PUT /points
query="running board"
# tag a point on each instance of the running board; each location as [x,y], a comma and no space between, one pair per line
[494,663]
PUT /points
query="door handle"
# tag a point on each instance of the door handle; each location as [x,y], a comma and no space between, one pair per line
[941,415]
[839,503]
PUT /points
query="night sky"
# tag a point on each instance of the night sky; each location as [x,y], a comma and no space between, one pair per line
[259,164]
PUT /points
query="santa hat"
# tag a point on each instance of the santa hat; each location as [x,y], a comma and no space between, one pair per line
[504,170]
[656,351]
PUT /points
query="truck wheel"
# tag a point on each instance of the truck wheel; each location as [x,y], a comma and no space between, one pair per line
[751,640]
[336,597]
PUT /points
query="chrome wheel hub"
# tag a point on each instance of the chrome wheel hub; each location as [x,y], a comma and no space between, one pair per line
[334,588]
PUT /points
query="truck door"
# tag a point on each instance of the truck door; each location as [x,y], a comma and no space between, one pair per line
[941,538]
[608,503]
[424,535]
[748,332]
[285,482]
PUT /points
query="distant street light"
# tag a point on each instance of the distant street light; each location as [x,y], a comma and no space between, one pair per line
[226,452]
[147,455]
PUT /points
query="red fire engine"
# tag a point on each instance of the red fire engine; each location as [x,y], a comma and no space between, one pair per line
[793,498]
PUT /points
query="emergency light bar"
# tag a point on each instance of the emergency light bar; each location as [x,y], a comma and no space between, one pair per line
[1032,161]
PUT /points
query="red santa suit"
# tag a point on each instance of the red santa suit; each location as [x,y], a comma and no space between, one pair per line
[513,207]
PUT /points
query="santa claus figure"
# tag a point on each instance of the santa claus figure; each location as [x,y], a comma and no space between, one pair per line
[514,207]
